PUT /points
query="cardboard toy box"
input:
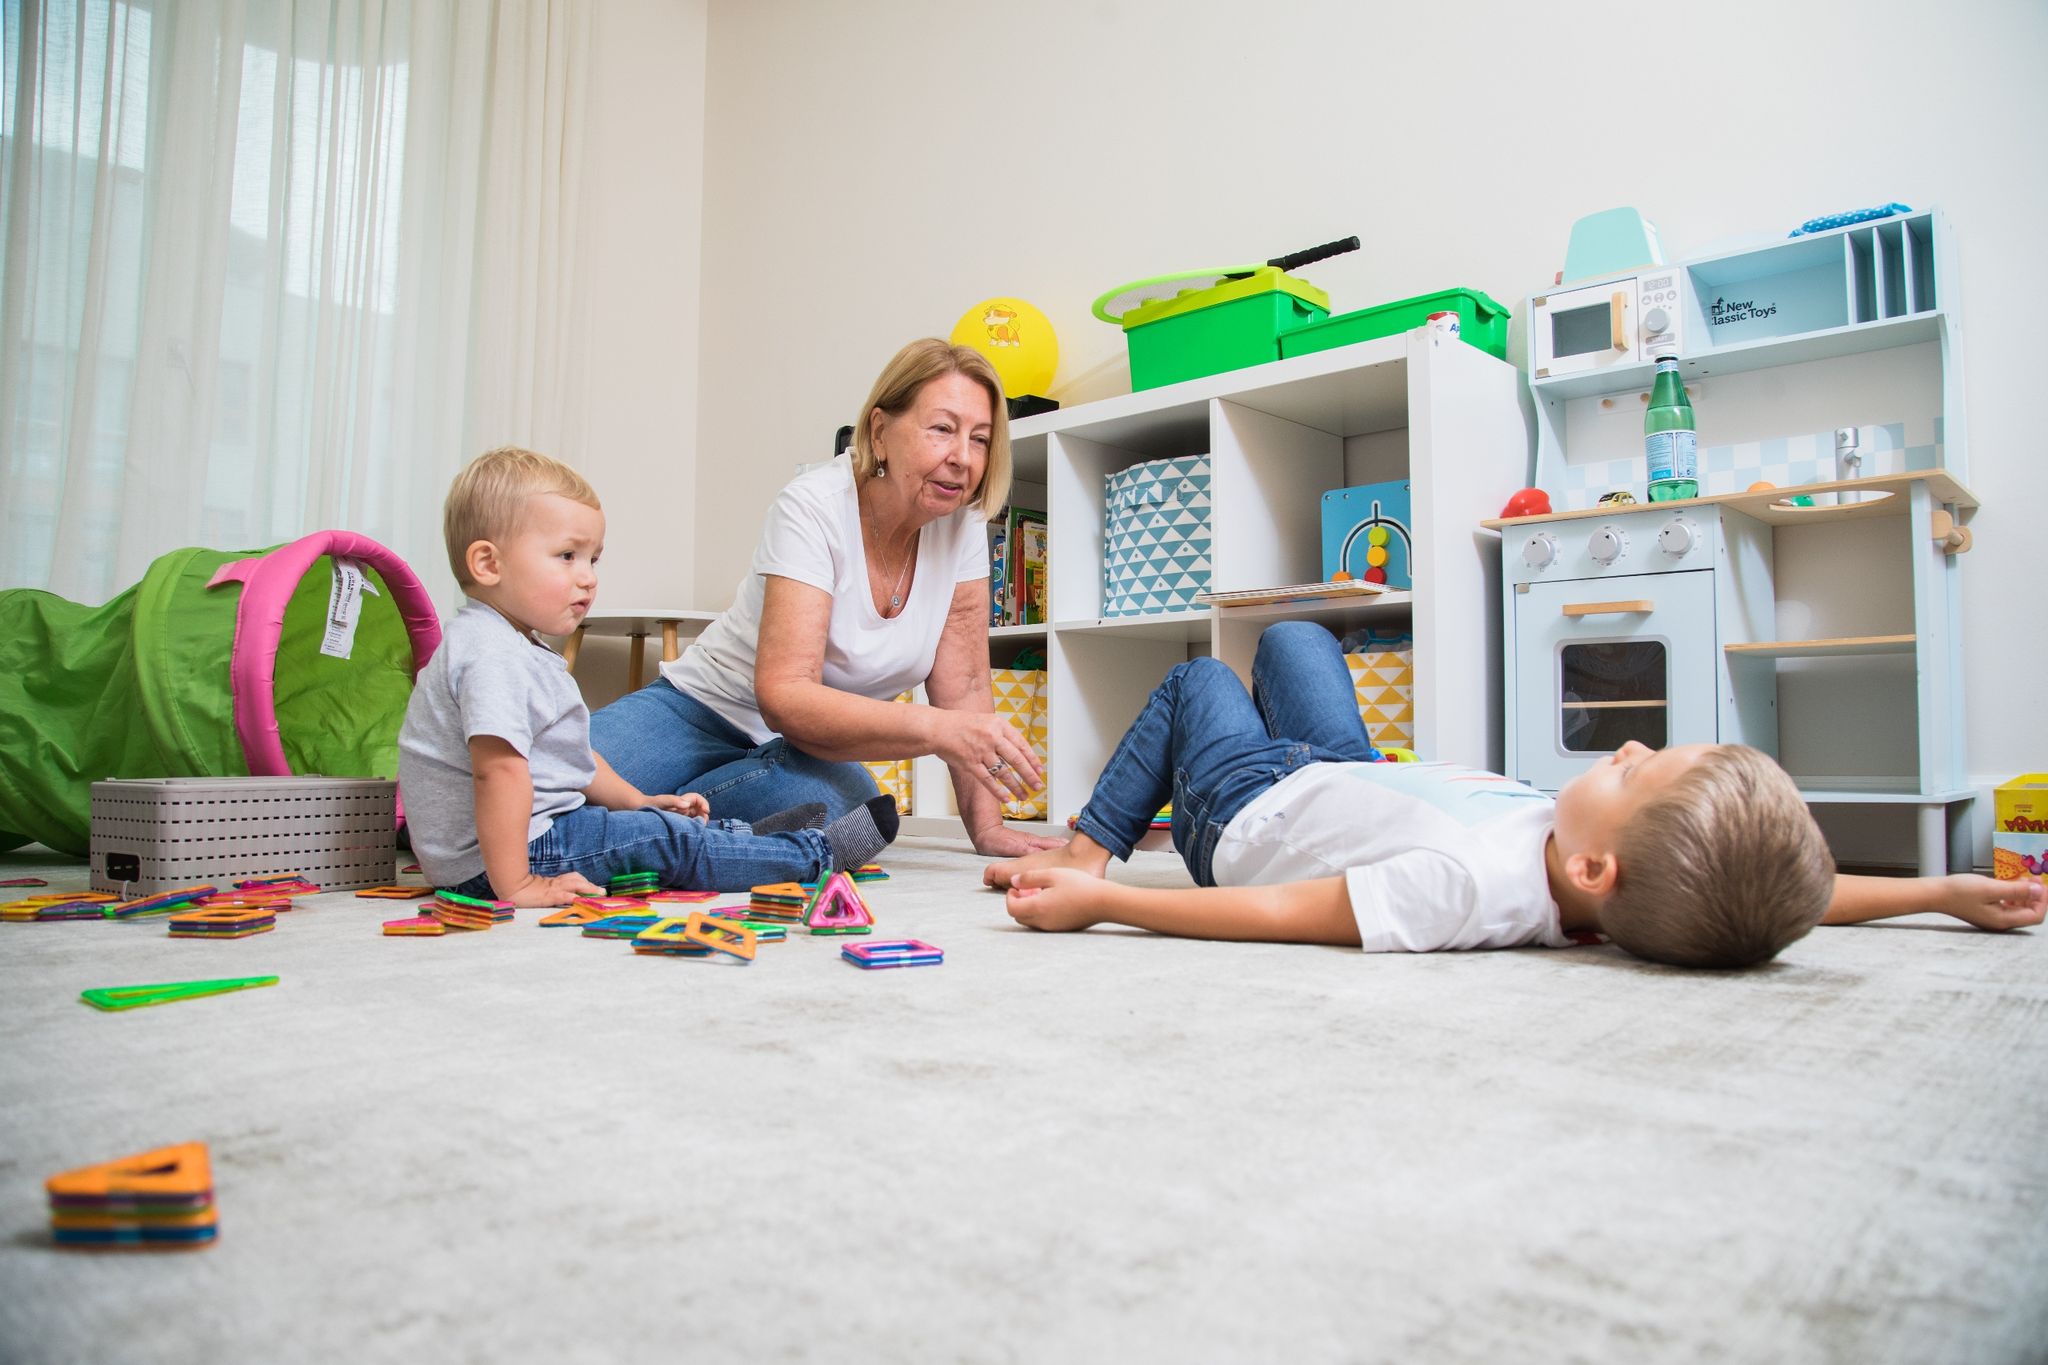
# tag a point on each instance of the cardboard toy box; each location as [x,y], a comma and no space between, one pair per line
[2019,839]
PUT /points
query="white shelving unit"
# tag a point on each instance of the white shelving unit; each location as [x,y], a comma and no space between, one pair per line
[1436,412]
[1864,696]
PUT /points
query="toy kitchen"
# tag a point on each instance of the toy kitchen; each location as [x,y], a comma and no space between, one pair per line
[1807,601]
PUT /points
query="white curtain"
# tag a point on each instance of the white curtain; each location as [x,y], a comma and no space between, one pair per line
[275,266]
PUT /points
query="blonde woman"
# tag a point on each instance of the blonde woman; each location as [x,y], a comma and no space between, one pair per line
[871,577]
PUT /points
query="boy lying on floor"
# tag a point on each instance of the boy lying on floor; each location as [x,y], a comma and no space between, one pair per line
[1702,855]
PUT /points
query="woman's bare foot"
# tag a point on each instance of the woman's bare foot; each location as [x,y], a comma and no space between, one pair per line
[1081,853]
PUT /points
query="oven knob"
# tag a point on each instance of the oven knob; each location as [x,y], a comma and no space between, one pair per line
[1677,539]
[1540,552]
[1655,321]
[1607,545]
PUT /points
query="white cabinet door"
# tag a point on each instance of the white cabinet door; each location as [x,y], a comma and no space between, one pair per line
[1602,661]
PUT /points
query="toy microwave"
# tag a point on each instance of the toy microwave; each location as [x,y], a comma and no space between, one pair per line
[1609,325]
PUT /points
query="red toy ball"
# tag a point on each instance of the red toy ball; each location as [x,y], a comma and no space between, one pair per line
[1529,502]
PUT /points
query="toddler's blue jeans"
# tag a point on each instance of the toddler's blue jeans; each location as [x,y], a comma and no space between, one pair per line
[699,855]
[1205,744]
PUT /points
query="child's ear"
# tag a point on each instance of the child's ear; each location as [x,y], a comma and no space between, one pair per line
[1593,873]
[482,559]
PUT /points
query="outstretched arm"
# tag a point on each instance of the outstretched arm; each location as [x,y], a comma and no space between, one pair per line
[1987,902]
[1059,898]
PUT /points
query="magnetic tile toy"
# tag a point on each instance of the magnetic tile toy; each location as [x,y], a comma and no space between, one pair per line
[839,909]
[667,895]
[163,902]
[611,905]
[419,926]
[163,993]
[575,914]
[394,893]
[618,926]
[727,937]
[156,1199]
[896,952]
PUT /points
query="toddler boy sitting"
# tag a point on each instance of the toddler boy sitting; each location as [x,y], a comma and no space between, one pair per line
[1700,855]
[504,796]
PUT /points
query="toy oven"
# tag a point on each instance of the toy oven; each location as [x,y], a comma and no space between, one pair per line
[1607,326]
[1616,628]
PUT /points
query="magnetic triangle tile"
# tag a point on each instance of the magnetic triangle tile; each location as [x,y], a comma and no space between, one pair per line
[181,1172]
[838,906]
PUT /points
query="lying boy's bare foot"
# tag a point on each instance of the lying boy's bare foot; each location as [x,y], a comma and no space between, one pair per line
[1081,853]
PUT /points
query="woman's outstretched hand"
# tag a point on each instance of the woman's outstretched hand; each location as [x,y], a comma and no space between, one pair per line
[992,750]
[1003,841]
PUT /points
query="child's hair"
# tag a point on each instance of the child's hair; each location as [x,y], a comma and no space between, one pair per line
[1722,869]
[489,496]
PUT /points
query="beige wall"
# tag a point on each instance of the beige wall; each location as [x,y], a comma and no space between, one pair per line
[644,230]
[643,234]
[872,171]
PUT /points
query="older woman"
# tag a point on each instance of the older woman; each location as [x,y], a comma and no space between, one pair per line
[871,577]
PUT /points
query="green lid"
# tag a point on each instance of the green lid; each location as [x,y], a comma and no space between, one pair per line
[1267,279]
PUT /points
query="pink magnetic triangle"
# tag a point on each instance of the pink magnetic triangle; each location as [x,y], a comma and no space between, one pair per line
[838,905]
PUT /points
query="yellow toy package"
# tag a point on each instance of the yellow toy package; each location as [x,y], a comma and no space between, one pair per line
[2019,839]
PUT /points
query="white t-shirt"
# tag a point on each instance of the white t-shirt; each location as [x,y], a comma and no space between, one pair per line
[487,679]
[813,536]
[1434,855]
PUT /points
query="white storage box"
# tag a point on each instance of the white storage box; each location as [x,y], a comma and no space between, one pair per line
[153,834]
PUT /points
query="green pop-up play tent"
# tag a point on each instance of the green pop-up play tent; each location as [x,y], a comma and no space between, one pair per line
[217,664]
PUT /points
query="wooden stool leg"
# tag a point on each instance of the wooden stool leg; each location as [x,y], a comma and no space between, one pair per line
[633,666]
[571,647]
[669,652]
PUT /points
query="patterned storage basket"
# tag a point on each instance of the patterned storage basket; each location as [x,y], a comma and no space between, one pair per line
[1020,695]
[892,775]
[1384,680]
[1155,553]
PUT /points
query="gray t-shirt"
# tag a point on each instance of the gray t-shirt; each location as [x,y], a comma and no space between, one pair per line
[487,679]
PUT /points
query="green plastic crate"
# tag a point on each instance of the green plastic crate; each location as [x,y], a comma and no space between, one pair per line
[1481,322]
[1225,326]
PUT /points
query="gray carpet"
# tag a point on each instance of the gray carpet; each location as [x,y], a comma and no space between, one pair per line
[527,1145]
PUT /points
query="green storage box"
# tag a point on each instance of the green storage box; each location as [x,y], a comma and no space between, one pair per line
[1224,326]
[1481,322]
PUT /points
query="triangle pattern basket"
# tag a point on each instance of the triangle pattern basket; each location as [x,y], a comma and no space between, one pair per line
[1156,538]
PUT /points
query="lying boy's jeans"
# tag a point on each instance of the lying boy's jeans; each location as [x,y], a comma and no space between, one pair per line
[1210,748]
[714,855]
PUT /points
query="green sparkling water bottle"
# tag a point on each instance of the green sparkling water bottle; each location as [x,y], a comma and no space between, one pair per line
[1670,440]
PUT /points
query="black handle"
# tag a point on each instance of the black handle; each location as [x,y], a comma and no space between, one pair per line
[1296,259]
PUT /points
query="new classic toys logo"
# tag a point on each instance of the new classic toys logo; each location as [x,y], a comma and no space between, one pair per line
[1725,312]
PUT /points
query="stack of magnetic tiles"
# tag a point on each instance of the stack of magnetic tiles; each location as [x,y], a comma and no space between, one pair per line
[64,905]
[467,912]
[159,1200]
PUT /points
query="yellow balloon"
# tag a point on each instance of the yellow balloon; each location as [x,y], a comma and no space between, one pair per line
[1016,338]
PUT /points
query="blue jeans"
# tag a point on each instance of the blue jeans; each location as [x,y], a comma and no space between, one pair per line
[698,855]
[662,740]
[1210,748]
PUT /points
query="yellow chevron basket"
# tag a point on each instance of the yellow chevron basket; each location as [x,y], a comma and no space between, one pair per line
[1384,680]
[1020,695]
[892,775]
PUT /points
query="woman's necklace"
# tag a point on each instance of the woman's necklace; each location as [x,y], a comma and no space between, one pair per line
[896,596]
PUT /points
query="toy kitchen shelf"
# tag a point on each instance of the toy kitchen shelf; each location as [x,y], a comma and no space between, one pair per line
[1441,414]
[1868,287]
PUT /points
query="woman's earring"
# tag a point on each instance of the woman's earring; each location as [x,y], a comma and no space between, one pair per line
[881,469]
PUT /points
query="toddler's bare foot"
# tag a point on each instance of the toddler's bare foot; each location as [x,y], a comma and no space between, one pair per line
[1080,853]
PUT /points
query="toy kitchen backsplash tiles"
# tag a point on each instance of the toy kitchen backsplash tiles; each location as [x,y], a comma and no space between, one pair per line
[1892,448]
